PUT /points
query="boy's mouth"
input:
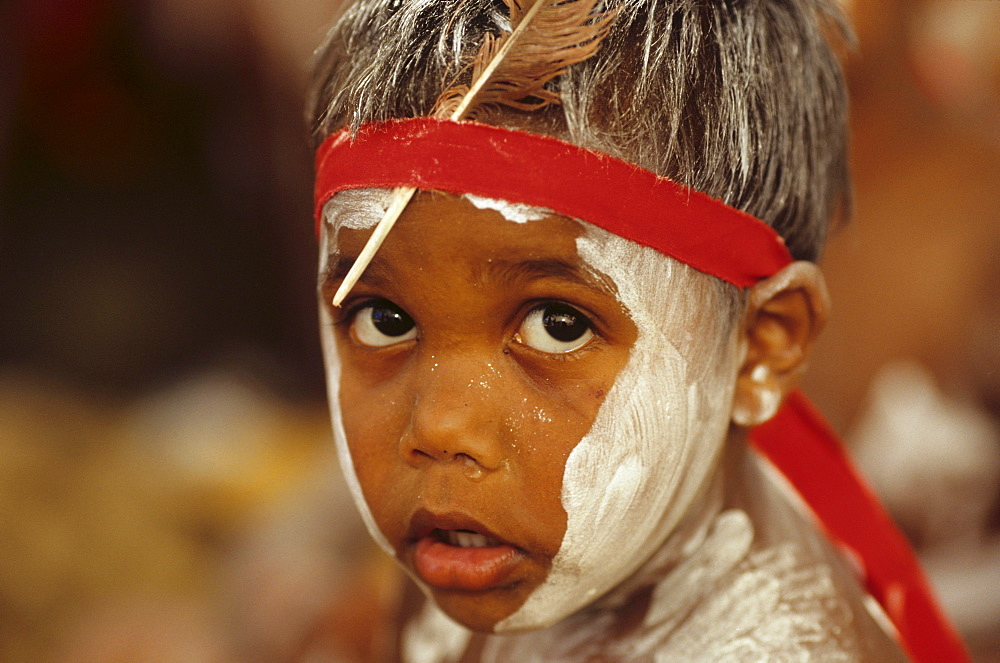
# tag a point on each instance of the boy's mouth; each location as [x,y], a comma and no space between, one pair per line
[463,538]
[453,552]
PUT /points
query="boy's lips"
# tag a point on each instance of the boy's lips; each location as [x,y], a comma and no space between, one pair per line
[454,551]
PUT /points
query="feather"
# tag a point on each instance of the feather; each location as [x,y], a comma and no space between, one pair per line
[512,70]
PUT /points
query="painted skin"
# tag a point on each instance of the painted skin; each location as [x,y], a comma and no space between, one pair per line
[469,371]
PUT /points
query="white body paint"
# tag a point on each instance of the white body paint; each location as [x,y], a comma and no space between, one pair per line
[654,442]
[356,209]
[723,602]
[516,212]
[340,438]
[434,638]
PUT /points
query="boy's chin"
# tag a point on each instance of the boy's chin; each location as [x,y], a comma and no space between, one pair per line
[481,611]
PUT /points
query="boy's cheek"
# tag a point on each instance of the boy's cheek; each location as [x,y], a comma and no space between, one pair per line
[577,386]
[369,369]
[376,462]
[373,420]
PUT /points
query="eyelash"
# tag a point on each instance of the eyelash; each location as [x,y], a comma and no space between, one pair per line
[344,314]
[349,311]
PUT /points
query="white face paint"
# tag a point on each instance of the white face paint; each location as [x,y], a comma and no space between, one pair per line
[360,209]
[516,212]
[657,436]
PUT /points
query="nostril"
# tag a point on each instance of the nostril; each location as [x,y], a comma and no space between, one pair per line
[420,453]
[473,469]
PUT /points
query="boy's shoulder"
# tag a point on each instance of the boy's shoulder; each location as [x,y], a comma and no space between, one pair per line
[743,602]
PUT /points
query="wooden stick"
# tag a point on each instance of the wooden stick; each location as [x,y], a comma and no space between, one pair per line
[400,199]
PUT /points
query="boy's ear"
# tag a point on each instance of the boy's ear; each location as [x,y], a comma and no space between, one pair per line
[784,315]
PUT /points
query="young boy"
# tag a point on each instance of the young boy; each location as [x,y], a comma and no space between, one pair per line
[542,384]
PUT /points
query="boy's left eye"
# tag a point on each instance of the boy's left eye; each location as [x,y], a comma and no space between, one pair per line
[382,323]
[555,328]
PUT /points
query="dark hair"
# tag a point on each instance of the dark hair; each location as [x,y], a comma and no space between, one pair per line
[741,99]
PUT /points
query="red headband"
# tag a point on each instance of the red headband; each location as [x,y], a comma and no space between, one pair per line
[620,197]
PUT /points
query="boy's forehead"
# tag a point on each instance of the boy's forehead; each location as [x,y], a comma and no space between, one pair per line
[494,241]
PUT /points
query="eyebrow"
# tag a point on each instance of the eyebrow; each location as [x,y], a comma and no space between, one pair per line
[375,275]
[501,271]
[508,272]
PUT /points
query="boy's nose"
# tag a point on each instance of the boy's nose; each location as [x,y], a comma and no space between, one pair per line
[455,418]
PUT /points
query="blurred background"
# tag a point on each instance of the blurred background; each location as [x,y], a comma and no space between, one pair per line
[168,490]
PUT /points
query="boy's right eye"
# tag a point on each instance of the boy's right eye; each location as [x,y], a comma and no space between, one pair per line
[381,323]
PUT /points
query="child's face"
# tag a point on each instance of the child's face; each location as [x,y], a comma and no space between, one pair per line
[466,366]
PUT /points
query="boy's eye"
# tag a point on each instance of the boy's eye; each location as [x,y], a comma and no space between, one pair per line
[382,323]
[555,328]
